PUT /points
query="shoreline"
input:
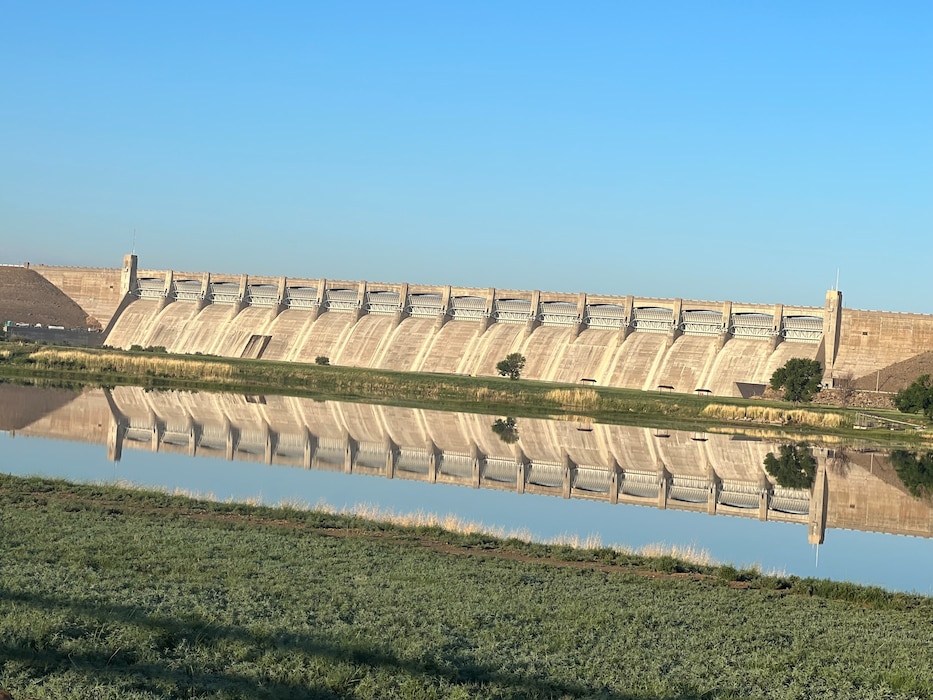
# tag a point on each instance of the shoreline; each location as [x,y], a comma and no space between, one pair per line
[521,398]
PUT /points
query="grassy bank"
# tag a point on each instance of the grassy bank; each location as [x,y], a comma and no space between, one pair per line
[120,594]
[442,391]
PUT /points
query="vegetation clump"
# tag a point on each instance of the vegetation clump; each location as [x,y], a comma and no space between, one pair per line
[511,366]
[774,414]
[799,378]
[915,470]
[506,429]
[322,360]
[795,468]
[574,398]
[917,398]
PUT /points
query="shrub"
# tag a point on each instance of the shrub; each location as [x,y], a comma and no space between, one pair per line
[322,360]
[800,378]
[917,398]
[511,366]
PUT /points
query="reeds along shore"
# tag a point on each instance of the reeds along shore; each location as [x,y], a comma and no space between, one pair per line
[768,414]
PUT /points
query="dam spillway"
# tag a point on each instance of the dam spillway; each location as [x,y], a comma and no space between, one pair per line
[629,342]
[722,348]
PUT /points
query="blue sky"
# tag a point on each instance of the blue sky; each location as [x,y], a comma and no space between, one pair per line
[726,150]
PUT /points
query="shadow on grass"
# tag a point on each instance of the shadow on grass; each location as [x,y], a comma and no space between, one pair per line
[179,675]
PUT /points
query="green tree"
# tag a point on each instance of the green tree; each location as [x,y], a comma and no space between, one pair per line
[512,365]
[800,379]
[917,398]
[322,360]
[795,468]
[506,429]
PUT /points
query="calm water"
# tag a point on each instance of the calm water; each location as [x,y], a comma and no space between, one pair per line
[548,479]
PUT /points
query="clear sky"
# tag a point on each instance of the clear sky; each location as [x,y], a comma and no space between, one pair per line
[717,150]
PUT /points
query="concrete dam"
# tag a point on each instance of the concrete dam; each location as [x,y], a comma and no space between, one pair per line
[723,348]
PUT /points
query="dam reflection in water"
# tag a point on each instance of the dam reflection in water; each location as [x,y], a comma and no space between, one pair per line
[406,459]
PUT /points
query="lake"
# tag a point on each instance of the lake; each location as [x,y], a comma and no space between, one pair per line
[552,480]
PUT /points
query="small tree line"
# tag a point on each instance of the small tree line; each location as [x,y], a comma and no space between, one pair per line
[917,398]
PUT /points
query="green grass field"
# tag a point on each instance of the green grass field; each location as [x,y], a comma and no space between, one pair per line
[108,593]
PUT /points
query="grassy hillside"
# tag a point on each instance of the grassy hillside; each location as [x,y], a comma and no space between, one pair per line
[121,594]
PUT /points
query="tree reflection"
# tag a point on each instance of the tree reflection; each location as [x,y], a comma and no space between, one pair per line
[915,470]
[795,468]
[506,429]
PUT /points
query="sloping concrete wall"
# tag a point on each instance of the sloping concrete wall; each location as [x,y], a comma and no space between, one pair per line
[624,350]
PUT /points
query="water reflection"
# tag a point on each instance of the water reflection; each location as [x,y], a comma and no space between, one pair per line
[915,470]
[795,467]
[506,429]
[714,473]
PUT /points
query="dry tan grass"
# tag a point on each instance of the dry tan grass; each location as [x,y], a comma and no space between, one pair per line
[689,553]
[421,518]
[164,366]
[452,523]
[574,540]
[573,398]
[782,435]
[483,393]
[572,418]
[770,414]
